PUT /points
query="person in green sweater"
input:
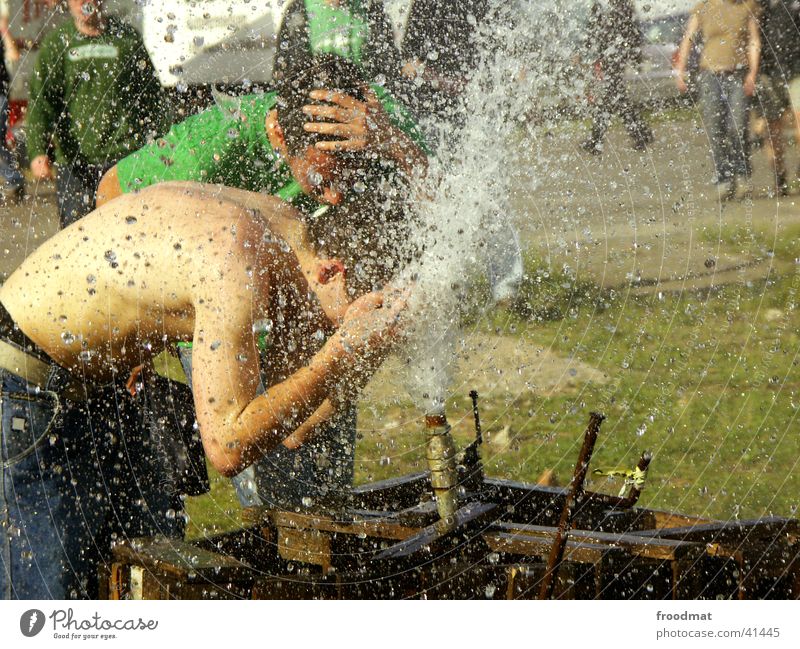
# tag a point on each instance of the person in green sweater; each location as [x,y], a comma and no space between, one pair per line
[95,93]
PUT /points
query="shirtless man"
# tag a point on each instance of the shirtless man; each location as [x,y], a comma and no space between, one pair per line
[175,262]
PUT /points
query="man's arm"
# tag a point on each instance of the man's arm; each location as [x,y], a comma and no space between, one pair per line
[154,107]
[683,52]
[238,427]
[12,52]
[753,56]
[46,93]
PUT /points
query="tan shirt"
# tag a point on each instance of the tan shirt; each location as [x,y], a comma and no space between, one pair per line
[724,26]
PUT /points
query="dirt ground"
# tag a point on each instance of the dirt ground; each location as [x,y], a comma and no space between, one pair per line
[639,222]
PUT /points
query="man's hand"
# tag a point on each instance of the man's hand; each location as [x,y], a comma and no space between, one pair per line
[358,124]
[373,320]
[680,81]
[371,326]
[750,85]
[41,168]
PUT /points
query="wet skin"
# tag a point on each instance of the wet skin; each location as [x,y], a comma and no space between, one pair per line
[183,261]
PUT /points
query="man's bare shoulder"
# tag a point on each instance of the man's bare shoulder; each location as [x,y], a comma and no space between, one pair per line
[183,211]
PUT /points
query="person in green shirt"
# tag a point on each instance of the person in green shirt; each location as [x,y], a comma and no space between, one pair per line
[242,141]
[96,93]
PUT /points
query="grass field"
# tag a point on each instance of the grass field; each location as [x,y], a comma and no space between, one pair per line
[707,380]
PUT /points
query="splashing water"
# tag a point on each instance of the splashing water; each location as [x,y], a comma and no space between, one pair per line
[467,222]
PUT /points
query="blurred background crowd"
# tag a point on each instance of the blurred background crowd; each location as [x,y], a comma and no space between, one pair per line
[69,113]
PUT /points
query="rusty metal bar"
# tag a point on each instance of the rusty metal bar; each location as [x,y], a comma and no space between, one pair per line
[473,394]
[575,490]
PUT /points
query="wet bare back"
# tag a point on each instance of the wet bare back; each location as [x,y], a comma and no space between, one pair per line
[177,261]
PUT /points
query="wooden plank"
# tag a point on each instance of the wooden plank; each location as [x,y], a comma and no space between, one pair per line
[728,532]
[532,546]
[641,546]
[671,519]
[181,560]
[398,493]
[305,546]
[383,528]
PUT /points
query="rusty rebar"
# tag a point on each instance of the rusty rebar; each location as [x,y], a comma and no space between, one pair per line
[473,394]
[573,493]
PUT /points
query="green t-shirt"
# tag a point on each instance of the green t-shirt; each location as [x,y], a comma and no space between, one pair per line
[228,144]
[98,95]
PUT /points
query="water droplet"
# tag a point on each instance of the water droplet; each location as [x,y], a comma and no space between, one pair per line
[169,514]
[314,178]
[263,326]
[67,337]
[215,345]
[490,590]
[130,220]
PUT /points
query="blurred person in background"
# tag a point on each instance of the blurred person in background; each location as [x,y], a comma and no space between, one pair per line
[13,183]
[96,93]
[780,58]
[615,41]
[440,55]
[729,64]
[356,30]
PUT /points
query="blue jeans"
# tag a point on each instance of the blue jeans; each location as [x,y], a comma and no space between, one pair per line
[76,190]
[74,478]
[319,471]
[725,109]
[9,169]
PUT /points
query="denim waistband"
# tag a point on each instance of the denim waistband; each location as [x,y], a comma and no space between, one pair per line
[10,331]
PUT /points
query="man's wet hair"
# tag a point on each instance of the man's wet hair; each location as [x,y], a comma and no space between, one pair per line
[369,232]
[369,229]
[324,71]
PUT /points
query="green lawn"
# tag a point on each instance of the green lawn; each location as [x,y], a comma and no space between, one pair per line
[708,381]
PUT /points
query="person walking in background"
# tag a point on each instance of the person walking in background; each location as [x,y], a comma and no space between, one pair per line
[728,70]
[780,54]
[615,39]
[13,182]
[96,92]
[440,55]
